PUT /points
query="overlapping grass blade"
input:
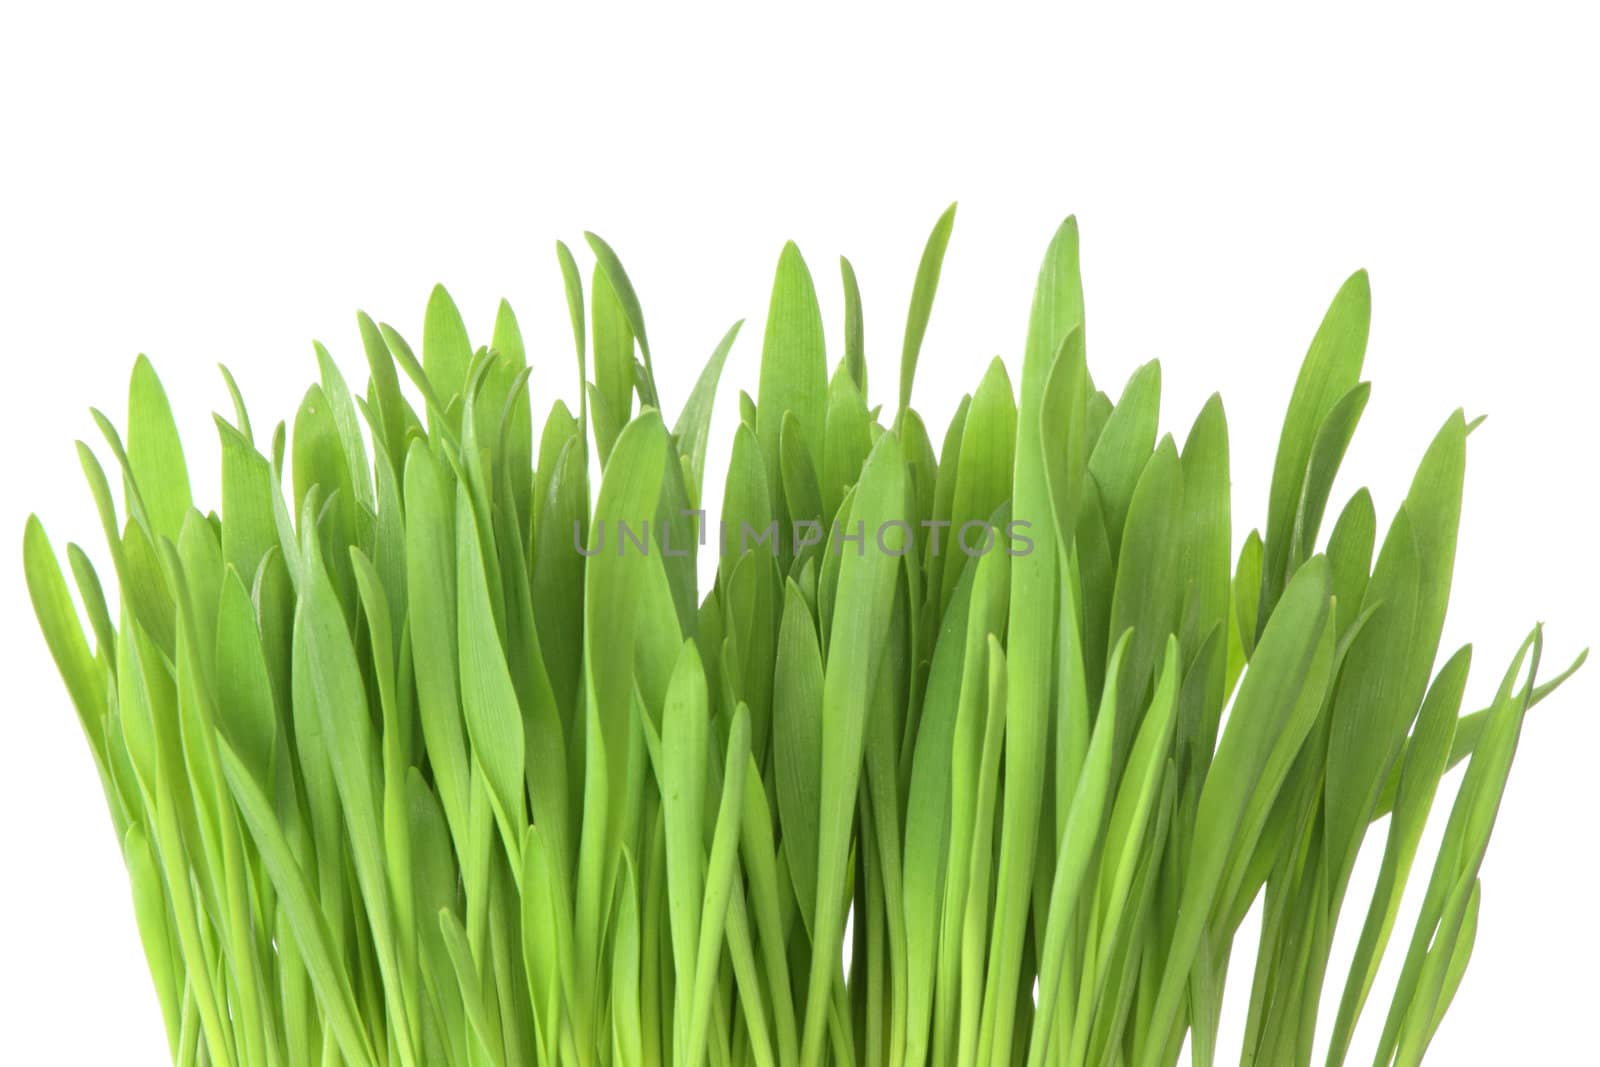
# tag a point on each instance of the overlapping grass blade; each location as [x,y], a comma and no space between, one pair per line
[421,752]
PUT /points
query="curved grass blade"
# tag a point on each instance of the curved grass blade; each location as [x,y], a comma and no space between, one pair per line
[155,453]
[855,356]
[1330,370]
[606,260]
[693,428]
[1424,765]
[922,293]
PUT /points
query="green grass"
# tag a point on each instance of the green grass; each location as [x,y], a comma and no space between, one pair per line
[403,777]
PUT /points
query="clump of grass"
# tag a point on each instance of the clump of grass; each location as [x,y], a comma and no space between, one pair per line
[420,752]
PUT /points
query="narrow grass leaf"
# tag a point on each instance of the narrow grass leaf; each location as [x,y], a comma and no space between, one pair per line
[1331,368]
[692,431]
[445,348]
[155,454]
[922,293]
[794,373]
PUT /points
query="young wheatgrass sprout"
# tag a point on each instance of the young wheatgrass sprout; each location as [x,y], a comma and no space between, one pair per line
[423,752]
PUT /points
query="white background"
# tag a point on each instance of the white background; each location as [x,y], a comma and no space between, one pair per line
[215,186]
